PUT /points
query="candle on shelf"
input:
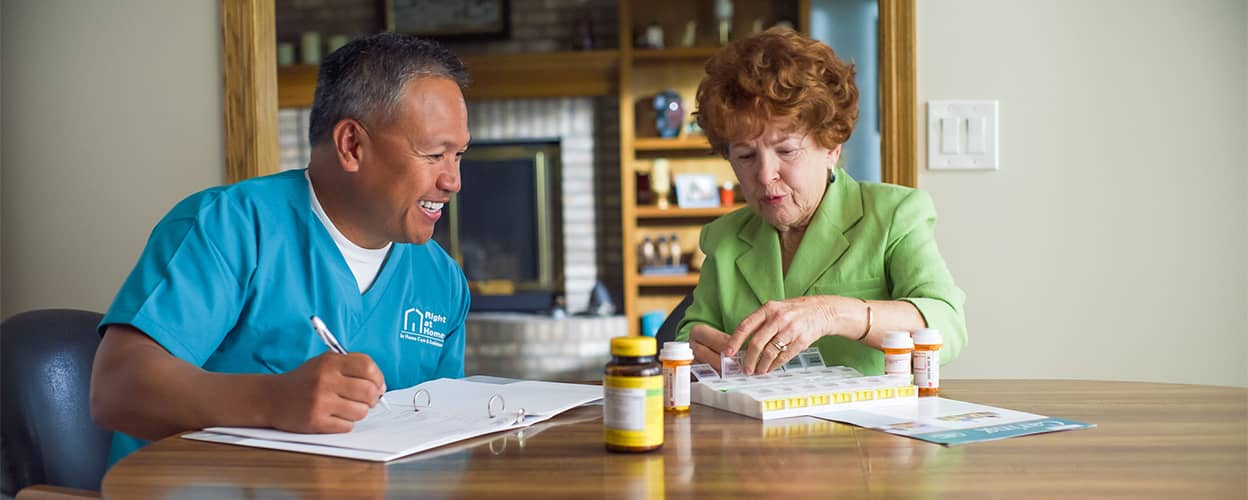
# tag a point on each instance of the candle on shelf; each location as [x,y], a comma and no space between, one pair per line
[660,181]
[723,12]
[285,54]
[310,47]
[337,41]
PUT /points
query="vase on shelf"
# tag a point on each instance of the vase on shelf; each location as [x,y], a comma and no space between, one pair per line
[723,13]
[669,112]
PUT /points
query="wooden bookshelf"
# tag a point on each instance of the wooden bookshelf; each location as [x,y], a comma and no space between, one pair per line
[642,74]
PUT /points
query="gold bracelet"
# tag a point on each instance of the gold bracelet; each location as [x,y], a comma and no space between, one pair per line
[867,331]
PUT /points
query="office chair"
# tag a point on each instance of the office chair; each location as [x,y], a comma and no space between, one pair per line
[667,331]
[49,437]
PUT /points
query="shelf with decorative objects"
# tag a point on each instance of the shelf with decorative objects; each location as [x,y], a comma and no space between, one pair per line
[664,46]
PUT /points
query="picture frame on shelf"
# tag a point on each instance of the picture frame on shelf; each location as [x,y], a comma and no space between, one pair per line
[470,19]
[696,191]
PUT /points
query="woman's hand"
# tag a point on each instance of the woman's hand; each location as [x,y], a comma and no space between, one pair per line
[707,344]
[779,330]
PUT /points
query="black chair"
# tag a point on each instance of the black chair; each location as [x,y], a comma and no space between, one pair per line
[667,331]
[49,437]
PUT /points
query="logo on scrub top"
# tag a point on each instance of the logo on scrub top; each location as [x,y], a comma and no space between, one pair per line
[425,327]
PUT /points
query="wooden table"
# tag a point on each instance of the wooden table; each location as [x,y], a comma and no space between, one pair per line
[1152,440]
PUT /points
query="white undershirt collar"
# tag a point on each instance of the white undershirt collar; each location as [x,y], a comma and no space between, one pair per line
[365,263]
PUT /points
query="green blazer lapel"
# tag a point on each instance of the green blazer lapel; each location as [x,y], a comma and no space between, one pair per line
[760,263]
[825,242]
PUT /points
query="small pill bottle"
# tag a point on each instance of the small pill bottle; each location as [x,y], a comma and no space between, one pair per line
[898,349]
[927,343]
[676,358]
[632,386]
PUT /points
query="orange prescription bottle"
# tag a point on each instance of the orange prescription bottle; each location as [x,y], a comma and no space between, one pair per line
[927,343]
[632,403]
[898,349]
[676,357]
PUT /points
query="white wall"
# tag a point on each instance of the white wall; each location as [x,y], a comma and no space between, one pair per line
[111,114]
[1113,242]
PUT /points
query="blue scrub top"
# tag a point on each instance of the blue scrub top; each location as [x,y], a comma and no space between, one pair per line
[230,277]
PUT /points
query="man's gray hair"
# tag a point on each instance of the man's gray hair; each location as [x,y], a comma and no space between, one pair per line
[364,80]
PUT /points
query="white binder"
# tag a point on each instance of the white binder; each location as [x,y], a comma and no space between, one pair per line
[422,417]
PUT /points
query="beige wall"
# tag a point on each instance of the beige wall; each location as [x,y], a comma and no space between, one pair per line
[112,113]
[1113,242]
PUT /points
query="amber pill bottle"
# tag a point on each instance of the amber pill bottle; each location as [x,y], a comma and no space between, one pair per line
[632,413]
[927,344]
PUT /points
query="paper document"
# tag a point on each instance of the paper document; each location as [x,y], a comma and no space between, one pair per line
[951,422]
[422,417]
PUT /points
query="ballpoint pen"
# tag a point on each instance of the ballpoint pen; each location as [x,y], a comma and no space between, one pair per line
[332,342]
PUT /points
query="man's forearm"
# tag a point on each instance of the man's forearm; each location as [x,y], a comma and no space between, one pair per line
[140,389]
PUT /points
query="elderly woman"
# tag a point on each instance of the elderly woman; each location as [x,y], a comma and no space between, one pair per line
[817,258]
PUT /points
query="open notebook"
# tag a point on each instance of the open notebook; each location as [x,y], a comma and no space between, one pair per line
[422,417]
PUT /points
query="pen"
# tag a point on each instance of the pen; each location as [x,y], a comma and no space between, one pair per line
[328,338]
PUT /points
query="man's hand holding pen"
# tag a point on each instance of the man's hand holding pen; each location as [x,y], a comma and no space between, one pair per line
[326,394]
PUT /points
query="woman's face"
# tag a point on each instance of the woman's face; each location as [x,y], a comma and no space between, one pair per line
[783,175]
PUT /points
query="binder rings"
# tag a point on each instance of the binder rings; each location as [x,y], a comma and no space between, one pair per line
[426,416]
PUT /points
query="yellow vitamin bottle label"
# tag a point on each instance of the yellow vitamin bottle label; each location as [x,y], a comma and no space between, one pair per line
[632,413]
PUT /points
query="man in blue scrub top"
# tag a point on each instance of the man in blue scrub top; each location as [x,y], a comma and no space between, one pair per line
[212,326]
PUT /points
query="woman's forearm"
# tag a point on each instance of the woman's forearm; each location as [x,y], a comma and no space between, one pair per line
[853,319]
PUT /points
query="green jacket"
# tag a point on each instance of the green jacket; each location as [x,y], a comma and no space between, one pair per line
[866,240]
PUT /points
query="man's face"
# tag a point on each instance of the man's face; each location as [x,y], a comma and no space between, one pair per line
[409,167]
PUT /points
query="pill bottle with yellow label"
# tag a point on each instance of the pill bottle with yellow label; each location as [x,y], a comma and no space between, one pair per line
[632,413]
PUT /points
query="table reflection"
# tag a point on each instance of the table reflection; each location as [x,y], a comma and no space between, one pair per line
[307,476]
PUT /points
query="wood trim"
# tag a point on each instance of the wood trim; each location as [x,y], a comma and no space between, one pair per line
[494,76]
[296,85]
[559,74]
[249,70]
[898,126]
[654,212]
[628,195]
[687,143]
[675,54]
[803,16]
[667,280]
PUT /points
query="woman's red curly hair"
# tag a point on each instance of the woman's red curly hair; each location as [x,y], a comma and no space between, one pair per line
[777,75]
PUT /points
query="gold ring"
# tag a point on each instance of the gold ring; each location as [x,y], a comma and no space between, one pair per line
[780,346]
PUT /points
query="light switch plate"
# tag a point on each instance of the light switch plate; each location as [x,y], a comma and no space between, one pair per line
[973,135]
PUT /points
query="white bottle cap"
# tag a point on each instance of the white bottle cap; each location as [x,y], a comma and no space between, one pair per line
[676,351]
[895,339]
[927,336]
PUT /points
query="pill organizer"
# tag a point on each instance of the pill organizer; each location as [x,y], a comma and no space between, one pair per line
[804,386]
